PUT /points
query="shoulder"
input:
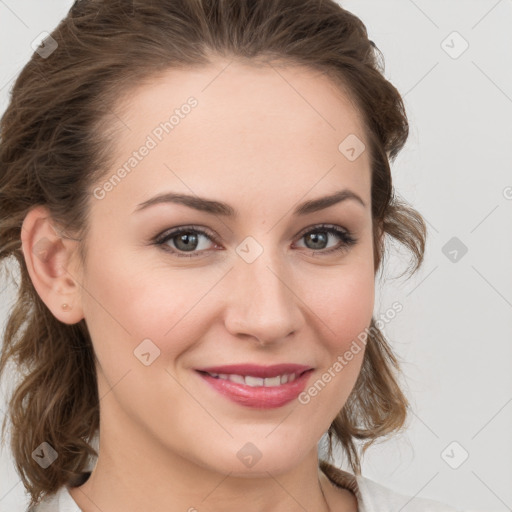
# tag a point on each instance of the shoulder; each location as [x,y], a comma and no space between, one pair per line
[374,497]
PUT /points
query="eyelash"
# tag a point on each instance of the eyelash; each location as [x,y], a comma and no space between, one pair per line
[346,237]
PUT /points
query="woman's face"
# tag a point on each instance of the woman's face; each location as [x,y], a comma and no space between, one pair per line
[263,285]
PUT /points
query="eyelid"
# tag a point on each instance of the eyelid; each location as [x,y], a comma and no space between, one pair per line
[346,238]
[172,232]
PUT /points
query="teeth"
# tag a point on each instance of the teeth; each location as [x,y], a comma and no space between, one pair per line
[236,378]
[273,381]
[249,380]
[254,381]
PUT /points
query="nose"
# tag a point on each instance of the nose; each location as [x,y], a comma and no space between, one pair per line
[265,304]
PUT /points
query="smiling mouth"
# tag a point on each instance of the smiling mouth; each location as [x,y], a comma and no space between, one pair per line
[274,386]
[253,381]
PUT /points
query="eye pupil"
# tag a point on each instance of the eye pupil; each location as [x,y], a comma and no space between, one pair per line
[185,241]
[186,238]
[316,236]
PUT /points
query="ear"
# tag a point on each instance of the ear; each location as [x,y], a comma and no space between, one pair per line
[50,260]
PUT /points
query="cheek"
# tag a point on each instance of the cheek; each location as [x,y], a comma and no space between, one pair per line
[344,296]
[351,311]
[126,304]
[343,303]
[343,308]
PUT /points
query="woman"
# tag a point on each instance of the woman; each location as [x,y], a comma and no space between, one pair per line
[197,195]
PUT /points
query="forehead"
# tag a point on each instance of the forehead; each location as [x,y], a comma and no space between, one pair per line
[250,126]
[246,96]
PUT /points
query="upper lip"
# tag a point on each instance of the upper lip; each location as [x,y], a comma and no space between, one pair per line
[256,370]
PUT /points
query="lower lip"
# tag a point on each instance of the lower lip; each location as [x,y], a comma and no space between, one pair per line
[259,397]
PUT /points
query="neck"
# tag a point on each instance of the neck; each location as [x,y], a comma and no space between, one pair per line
[134,472]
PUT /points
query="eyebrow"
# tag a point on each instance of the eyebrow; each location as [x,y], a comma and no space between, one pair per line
[224,209]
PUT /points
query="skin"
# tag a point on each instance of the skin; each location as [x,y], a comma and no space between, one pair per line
[262,139]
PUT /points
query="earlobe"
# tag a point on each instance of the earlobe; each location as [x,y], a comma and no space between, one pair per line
[48,256]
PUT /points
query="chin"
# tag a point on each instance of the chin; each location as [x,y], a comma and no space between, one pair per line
[256,459]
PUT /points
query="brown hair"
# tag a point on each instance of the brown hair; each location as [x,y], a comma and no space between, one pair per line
[55,145]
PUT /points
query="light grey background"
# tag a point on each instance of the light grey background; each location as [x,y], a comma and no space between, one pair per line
[454,332]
